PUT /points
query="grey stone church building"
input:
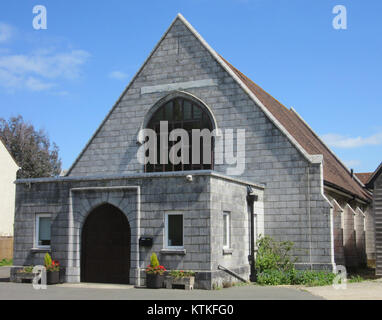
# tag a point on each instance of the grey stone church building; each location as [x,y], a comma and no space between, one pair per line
[108,214]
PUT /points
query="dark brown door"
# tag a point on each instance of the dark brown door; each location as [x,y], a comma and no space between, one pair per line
[105,246]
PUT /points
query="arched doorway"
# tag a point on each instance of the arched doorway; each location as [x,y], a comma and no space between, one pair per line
[105,246]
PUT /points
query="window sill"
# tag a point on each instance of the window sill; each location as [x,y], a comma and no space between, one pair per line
[36,250]
[173,251]
[227,251]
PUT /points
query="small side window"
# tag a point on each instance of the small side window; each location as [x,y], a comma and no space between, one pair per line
[174,231]
[43,229]
[226,230]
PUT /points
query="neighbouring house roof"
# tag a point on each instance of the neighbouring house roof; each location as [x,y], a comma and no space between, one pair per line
[364,176]
[335,173]
[374,175]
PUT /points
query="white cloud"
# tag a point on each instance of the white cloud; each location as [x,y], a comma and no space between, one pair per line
[41,69]
[47,65]
[6,32]
[339,141]
[119,75]
[352,163]
[34,84]
[31,71]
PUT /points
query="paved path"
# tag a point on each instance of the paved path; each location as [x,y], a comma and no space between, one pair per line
[120,292]
[366,290]
[4,273]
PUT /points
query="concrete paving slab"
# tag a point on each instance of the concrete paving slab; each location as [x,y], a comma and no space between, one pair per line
[365,290]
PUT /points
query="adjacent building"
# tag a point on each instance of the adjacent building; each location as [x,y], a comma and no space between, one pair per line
[375,183]
[8,170]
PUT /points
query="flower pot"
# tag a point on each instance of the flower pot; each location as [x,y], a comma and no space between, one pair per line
[52,277]
[154,281]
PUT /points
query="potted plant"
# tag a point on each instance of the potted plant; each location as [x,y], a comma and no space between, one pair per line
[154,273]
[181,278]
[52,270]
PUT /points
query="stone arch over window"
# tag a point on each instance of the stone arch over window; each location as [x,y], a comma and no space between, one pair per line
[182,111]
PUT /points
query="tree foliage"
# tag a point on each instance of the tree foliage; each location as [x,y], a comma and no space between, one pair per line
[30,148]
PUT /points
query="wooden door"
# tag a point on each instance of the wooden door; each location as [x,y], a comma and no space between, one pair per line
[105,246]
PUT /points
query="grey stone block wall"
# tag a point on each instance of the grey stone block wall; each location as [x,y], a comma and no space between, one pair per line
[290,212]
[144,199]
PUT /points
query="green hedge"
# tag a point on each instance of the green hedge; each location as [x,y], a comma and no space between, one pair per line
[295,277]
[275,266]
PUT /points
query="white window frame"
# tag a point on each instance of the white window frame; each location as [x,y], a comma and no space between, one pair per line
[166,231]
[37,230]
[227,215]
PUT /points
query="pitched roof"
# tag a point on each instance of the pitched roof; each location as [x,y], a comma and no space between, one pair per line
[335,173]
[364,176]
[288,121]
[374,175]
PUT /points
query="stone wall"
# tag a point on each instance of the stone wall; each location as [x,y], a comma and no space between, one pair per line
[294,206]
[144,199]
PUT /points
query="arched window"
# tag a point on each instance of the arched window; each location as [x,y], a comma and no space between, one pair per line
[181,113]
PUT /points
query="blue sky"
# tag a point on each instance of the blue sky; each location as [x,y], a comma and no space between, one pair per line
[66,78]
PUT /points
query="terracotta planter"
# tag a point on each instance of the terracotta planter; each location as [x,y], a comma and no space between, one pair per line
[52,277]
[154,281]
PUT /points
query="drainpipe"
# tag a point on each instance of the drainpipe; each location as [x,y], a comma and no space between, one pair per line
[251,198]
[309,217]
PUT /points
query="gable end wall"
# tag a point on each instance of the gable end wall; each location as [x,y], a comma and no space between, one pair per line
[293,211]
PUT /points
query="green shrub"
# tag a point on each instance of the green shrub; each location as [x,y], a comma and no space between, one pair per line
[275,266]
[273,278]
[154,262]
[314,278]
[6,262]
[295,277]
[47,260]
[26,269]
[274,255]
[181,273]
[356,278]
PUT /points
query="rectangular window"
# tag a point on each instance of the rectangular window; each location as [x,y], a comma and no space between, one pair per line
[43,224]
[226,230]
[174,231]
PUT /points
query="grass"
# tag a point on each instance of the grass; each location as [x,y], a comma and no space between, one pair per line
[364,273]
[354,279]
[6,262]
